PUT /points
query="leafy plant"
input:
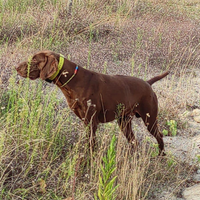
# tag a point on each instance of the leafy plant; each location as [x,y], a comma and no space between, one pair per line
[171,161]
[165,132]
[106,180]
[172,127]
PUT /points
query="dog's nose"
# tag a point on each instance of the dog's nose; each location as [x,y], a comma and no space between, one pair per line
[21,66]
[18,68]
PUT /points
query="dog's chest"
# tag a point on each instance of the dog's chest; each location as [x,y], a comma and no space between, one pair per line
[78,106]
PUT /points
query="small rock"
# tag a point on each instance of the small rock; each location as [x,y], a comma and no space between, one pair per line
[196,177]
[197,119]
[192,193]
[195,112]
[198,171]
[194,126]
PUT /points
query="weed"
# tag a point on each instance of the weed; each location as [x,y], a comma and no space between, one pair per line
[172,128]
[132,65]
[171,162]
[107,189]
[165,132]
[89,52]
[198,158]
[105,67]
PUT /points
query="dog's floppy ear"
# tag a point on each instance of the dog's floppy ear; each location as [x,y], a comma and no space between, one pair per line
[49,67]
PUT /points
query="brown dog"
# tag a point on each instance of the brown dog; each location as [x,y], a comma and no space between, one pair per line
[98,98]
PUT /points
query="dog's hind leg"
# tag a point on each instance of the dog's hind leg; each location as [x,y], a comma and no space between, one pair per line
[152,126]
[153,129]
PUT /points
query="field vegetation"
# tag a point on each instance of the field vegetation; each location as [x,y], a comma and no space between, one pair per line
[43,145]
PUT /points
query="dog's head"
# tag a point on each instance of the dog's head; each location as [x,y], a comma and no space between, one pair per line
[42,65]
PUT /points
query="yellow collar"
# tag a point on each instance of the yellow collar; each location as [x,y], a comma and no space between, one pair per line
[60,65]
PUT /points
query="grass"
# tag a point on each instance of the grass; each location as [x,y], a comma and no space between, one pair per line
[106,182]
[43,152]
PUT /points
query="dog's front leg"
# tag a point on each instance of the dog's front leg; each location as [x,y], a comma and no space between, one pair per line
[91,123]
[91,128]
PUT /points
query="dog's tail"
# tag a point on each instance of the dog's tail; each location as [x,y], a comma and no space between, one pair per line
[157,78]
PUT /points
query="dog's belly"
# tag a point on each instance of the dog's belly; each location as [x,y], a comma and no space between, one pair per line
[110,115]
[106,116]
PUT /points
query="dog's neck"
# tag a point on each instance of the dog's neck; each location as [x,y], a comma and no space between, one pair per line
[64,69]
[68,72]
[60,66]
[71,76]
